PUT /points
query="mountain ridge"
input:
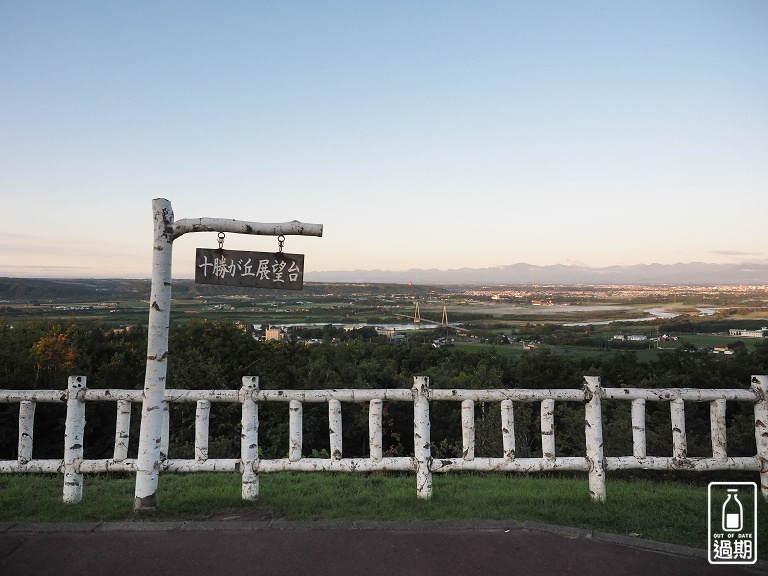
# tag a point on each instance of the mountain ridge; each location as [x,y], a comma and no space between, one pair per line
[699,273]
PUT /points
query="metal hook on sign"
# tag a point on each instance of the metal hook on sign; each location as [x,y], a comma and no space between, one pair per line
[221,240]
[280,242]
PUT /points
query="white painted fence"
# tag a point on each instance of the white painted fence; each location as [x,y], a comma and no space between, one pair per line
[591,395]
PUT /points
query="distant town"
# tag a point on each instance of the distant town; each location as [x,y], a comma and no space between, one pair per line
[575,319]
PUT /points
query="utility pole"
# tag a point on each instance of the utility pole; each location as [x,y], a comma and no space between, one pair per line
[166,230]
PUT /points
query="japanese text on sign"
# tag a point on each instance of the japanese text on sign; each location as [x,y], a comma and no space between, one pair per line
[255,269]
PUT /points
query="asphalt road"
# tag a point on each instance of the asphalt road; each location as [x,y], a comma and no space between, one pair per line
[333,548]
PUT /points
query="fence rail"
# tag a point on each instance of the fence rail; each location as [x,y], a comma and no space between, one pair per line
[72,466]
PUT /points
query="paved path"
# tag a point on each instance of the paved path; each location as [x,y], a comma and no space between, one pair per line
[336,548]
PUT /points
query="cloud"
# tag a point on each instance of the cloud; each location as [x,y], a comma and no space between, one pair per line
[735,253]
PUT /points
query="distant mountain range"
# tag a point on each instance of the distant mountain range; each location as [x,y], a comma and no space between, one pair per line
[694,273]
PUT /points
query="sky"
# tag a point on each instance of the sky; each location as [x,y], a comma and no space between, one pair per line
[420,134]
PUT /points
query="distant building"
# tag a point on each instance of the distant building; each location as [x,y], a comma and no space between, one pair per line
[748,333]
[722,350]
[384,331]
[632,337]
[275,334]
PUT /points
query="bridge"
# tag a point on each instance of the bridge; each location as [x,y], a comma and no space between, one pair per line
[417,319]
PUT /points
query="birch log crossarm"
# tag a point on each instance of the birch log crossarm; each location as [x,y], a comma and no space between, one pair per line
[293,228]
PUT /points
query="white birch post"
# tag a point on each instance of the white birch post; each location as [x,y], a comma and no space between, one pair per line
[548,429]
[760,387]
[639,446]
[679,442]
[122,430]
[202,426]
[150,437]
[717,429]
[468,429]
[74,428]
[334,428]
[249,438]
[375,442]
[508,429]
[295,437]
[166,230]
[26,430]
[421,437]
[593,421]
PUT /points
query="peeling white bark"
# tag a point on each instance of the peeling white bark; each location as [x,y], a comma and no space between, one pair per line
[687,394]
[32,467]
[249,438]
[679,442]
[421,437]
[717,429]
[150,436]
[52,396]
[295,433]
[375,442]
[593,419]
[468,429]
[400,464]
[749,463]
[508,429]
[74,428]
[202,425]
[517,394]
[334,428]
[187,225]
[548,429]
[122,430]
[639,449]
[760,389]
[26,430]
[342,395]
[570,463]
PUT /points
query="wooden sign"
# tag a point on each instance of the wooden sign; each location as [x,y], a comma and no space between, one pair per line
[276,270]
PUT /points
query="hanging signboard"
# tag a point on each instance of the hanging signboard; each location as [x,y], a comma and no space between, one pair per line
[276,270]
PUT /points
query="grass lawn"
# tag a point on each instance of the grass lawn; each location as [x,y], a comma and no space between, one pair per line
[660,511]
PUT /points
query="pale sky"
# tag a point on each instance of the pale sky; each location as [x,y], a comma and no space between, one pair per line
[420,134]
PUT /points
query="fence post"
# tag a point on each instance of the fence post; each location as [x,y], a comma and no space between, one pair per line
[375,442]
[717,429]
[73,440]
[639,449]
[593,422]
[421,437]
[760,386]
[26,430]
[548,429]
[202,426]
[334,428]
[122,430]
[295,437]
[468,429]
[249,438]
[508,429]
[679,441]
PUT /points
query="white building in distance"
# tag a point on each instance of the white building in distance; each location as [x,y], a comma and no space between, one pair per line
[748,333]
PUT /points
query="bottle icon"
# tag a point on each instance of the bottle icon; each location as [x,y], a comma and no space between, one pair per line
[733,512]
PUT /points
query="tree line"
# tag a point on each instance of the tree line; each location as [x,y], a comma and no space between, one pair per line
[216,355]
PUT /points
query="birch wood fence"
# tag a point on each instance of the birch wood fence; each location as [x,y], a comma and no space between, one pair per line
[250,466]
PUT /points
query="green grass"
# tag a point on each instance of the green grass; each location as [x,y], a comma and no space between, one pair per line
[660,511]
